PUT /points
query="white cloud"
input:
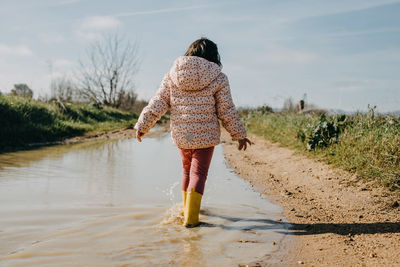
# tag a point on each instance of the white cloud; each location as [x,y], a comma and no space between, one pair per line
[298,10]
[66,2]
[52,38]
[99,23]
[91,28]
[88,36]
[62,63]
[158,11]
[281,55]
[354,85]
[15,50]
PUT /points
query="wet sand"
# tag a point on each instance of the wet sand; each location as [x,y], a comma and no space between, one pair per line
[337,220]
[118,203]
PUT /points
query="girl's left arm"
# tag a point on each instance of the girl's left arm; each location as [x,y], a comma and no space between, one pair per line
[157,107]
[226,111]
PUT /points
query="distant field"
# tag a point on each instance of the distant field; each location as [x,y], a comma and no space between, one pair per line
[367,144]
[24,121]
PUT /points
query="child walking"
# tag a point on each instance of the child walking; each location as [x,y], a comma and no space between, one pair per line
[198,94]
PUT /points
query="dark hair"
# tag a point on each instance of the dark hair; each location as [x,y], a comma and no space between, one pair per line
[206,49]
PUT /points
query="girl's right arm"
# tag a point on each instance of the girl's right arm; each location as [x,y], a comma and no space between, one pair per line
[157,107]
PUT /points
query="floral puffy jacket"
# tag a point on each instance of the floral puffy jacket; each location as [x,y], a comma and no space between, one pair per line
[198,94]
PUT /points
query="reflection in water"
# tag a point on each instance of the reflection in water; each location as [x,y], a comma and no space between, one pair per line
[191,255]
[24,158]
[109,203]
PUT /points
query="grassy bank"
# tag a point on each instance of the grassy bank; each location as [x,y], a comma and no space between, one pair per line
[366,144]
[24,121]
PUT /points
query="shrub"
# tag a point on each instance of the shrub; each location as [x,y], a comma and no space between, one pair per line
[324,132]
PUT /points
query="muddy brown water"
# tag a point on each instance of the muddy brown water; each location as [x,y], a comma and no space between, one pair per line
[118,203]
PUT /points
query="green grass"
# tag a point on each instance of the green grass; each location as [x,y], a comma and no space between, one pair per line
[369,145]
[24,121]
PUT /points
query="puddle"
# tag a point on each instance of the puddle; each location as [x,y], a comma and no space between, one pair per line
[118,203]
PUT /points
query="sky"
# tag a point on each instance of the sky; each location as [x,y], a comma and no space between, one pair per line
[342,54]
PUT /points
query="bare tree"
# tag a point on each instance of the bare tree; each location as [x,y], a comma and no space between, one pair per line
[63,89]
[139,105]
[126,100]
[288,105]
[23,90]
[109,69]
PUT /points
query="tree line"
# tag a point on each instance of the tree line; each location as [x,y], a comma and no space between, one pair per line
[106,76]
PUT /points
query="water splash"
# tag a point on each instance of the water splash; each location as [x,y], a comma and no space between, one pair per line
[173,215]
[169,192]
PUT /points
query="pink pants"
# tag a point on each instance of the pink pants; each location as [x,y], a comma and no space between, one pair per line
[195,164]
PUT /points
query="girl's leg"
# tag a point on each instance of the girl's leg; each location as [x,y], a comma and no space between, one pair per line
[186,156]
[200,163]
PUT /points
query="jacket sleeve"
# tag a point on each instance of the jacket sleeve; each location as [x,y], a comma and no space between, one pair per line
[157,107]
[227,113]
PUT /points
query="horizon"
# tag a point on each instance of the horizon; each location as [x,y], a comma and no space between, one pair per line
[343,55]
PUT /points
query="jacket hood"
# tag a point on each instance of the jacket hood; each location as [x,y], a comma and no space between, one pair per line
[191,73]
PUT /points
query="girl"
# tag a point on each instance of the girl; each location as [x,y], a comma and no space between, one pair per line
[198,94]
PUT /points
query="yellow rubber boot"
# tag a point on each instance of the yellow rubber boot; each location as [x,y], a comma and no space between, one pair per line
[184,194]
[192,208]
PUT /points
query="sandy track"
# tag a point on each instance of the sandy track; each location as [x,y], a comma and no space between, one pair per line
[337,220]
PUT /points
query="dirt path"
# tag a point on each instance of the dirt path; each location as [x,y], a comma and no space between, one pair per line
[337,220]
